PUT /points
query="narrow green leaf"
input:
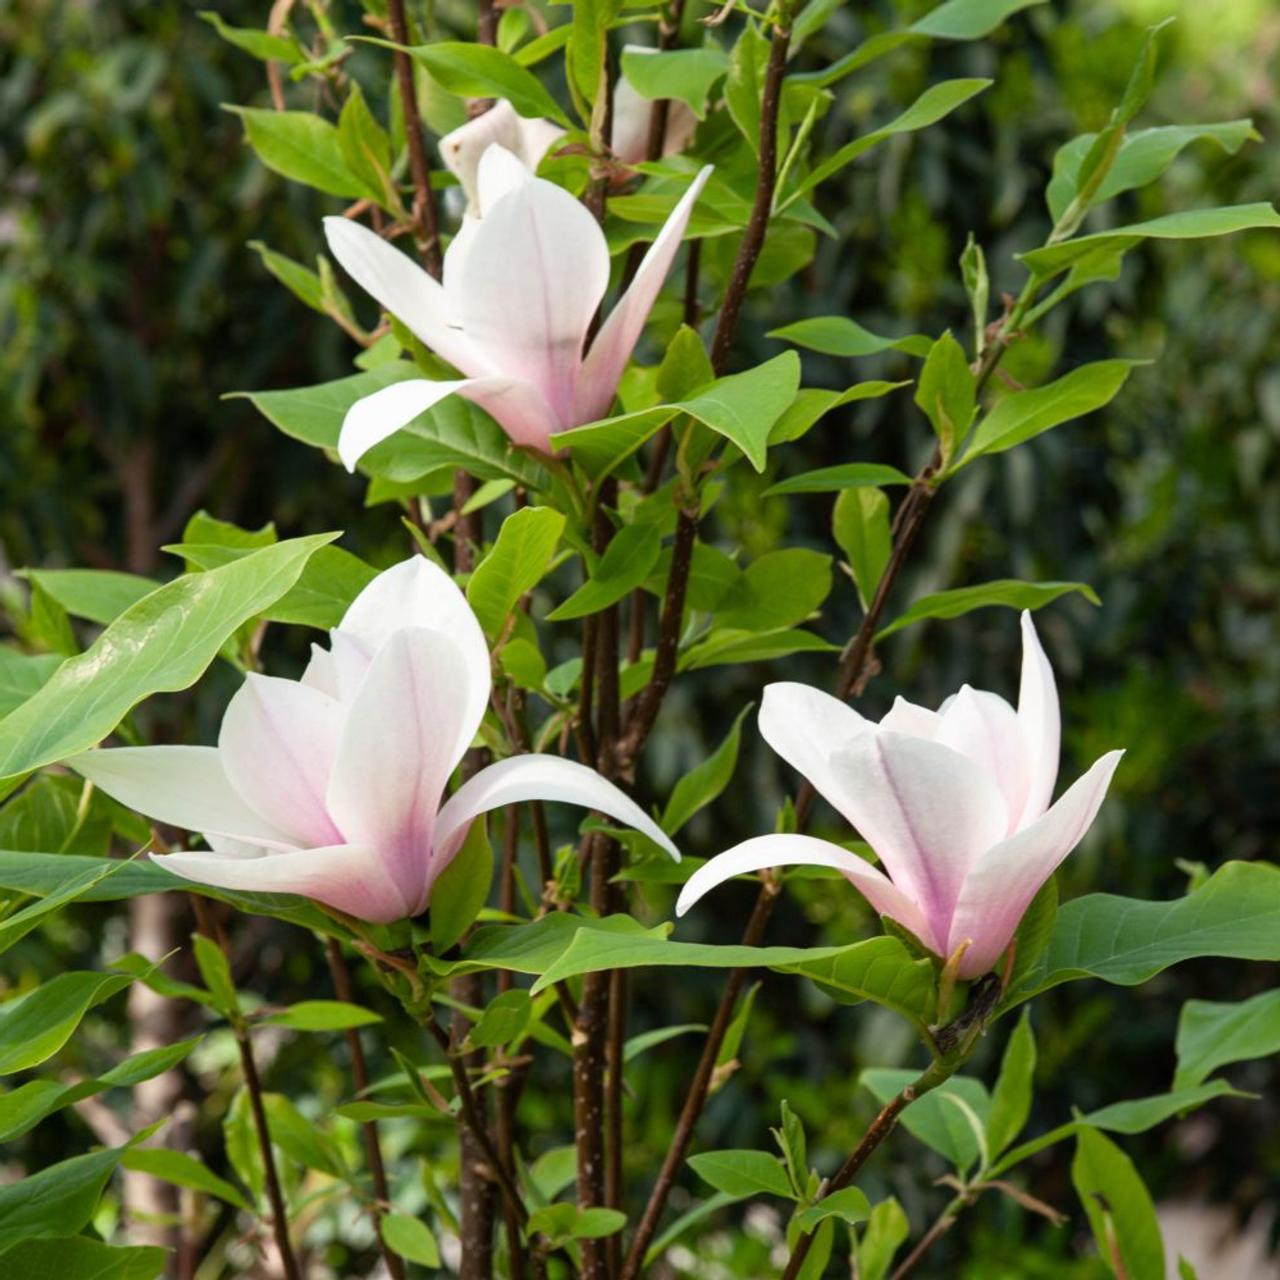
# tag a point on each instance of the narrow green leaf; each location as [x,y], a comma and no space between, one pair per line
[215,970]
[516,563]
[1007,592]
[1119,1208]
[302,147]
[847,475]
[886,1230]
[182,1170]
[624,566]
[860,526]
[35,1025]
[947,394]
[58,1200]
[1011,1098]
[848,1204]
[462,888]
[840,336]
[702,784]
[258,44]
[743,1173]
[323,1015]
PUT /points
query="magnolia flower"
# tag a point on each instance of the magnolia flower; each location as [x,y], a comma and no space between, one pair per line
[331,786]
[527,140]
[522,284]
[954,802]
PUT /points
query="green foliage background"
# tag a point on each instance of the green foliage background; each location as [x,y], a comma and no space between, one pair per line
[129,303]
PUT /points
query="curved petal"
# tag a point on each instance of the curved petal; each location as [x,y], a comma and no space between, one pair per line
[527,140]
[407,728]
[277,745]
[985,728]
[926,810]
[530,283]
[401,287]
[1041,722]
[806,727]
[795,850]
[536,777]
[613,345]
[1000,885]
[350,878]
[183,786]
[417,593]
[910,718]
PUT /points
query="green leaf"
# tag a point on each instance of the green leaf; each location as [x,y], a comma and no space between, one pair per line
[410,1238]
[935,1120]
[516,563]
[684,74]
[729,646]
[161,644]
[302,282]
[847,475]
[300,1138]
[887,1228]
[1190,224]
[35,1025]
[685,367]
[462,888]
[968,19]
[646,1040]
[624,566]
[932,105]
[848,1204]
[215,970]
[812,404]
[83,1258]
[302,147]
[1119,1207]
[1212,1034]
[1011,1098]
[323,1015]
[947,394]
[258,44]
[183,1170]
[1007,592]
[20,923]
[481,71]
[99,595]
[743,1173]
[702,784]
[744,86]
[879,969]
[778,590]
[1023,415]
[596,1223]
[1235,914]
[365,147]
[504,1020]
[860,526]
[840,336]
[56,1201]
[22,674]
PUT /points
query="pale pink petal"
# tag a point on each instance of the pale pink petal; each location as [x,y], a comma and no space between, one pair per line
[613,345]
[796,850]
[1041,722]
[1001,883]
[536,777]
[407,728]
[911,719]
[528,140]
[182,786]
[401,287]
[414,593]
[926,810]
[631,114]
[320,672]
[530,284]
[350,878]
[985,728]
[806,727]
[277,745]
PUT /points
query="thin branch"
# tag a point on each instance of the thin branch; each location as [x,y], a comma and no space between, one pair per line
[942,1224]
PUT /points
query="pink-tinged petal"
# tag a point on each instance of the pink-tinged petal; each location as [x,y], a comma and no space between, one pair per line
[277,746]
[806,727]
[530,284]
[417,593]
[406,730]
[182,786]
[926,810]
[1041,722]
[1001,883]
[985,728]
[911,719]
[350,878]
[401,287]
[796,850]
[527,140]
[613,345]
[320,672]
[631,115]
[536,777]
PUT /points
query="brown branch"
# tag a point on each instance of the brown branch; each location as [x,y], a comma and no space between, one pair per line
[944,1222]
[360,1074]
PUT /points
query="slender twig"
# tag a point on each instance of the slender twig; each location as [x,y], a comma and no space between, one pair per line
[942,1224]
[212,929]
[360,1074]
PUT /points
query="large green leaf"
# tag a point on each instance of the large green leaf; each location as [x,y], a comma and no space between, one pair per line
[1119,1208]
[303,147]
[951,1118]
[840,336]
[1007,592]
[161,644]
[56,1201]
[516,563]
[846,475]
[34,1026]
[1235,914]
[1212,1034]
[624,566]
[777,590]
[881,970]
[683,74]
[20,923]
[184,1171]
[83,1258]
[743,1173]
[99,595]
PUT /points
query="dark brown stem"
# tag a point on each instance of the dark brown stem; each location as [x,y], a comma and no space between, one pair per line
[360,1074]
[487,23]
[509,1086]
[699,1089]
[426,226]
[944,1222]
[212,929]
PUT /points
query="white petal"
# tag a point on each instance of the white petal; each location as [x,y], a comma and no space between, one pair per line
[500,172]
[183,786]
[984,727]
[528,140]
[277,745]
[349,878]
[796,850]
[613,345]
[406,730]
[320,672]
[911,719]
[401,287]
[1041,722]
[1000,885]
[536,777]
